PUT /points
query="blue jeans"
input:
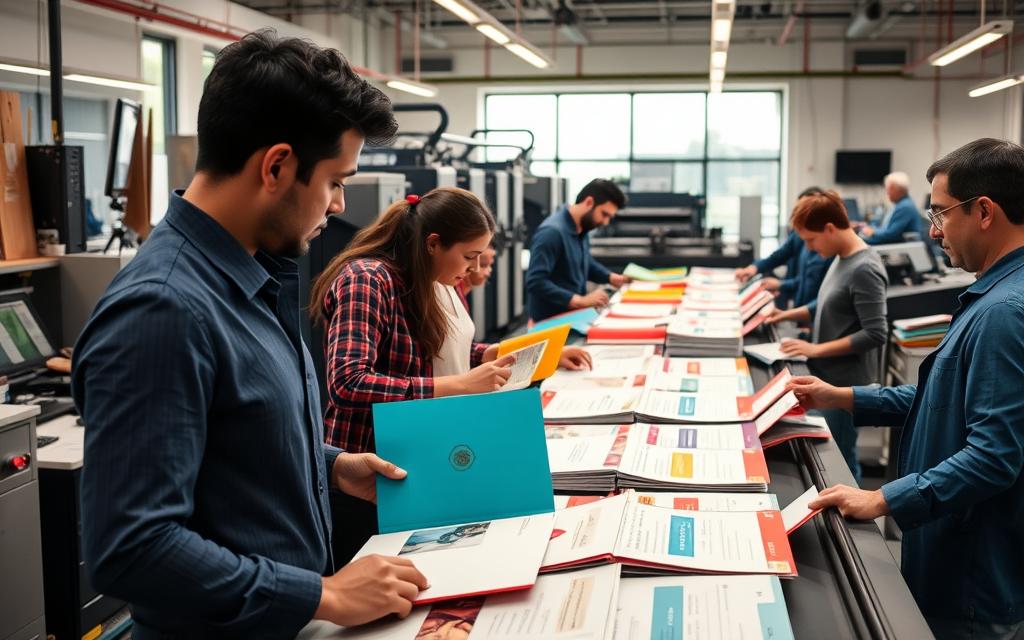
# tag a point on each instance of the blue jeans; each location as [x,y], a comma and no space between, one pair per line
[845,435]
[966,629]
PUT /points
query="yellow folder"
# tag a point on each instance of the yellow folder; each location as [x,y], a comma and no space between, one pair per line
[661,295]
[556,337]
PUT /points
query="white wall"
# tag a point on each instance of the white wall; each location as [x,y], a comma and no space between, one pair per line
[824,113]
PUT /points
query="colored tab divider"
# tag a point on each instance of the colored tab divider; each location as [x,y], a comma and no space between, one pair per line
[777,552]
[667,613]
[680,537]
[755,465]
[751,438]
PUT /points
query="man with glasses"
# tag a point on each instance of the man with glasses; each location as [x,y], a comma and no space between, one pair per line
[959,497]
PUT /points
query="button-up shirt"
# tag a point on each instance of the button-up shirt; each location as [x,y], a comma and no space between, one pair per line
[372,355]
[560,266]
[204,499]
[960,495]
[805,269]
[903,218]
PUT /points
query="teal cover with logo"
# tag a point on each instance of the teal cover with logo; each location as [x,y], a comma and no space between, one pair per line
[469,458]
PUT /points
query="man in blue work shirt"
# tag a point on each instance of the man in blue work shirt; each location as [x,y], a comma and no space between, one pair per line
[902,219]
[560,261]
[204,488]
[805,269]
[959,497]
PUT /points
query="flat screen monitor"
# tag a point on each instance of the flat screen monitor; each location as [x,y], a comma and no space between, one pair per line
[862,167]
[23,342]
[852,209]
[126,119]
[921,257]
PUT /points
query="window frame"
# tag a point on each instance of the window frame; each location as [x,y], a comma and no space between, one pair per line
[632,159]
[169,81]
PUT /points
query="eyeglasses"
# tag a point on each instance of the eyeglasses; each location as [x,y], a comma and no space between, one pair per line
[936,217]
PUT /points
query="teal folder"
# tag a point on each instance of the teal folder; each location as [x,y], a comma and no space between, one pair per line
[579,320]
[469,458]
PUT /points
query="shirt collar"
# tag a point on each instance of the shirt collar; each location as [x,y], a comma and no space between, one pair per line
[568,222]
[1004,267]
[219,247]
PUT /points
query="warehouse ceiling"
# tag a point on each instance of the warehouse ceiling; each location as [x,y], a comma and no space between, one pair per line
[598,22]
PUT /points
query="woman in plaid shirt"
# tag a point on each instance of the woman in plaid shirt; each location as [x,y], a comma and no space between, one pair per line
[389,306]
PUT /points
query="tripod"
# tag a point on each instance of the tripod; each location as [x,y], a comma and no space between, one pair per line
[119,230]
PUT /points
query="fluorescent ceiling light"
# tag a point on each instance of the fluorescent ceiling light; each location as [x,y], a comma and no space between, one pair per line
[413,87]
[527,53]
[718,59]
[109,82]
[717,75]
[17,68]
[460,10]
[721,28]
[984,35]
[494,33]
[716,87]
[995,84]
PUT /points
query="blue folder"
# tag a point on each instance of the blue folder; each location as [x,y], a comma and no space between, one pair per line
[579,320]
[469,458]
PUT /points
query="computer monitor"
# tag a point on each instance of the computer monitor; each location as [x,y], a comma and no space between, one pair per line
[921,258]
[852,209]
[126,119]
[862,167]
[24,344]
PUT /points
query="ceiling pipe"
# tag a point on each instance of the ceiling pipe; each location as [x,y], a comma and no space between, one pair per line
[787,29]
[158,12]
[865,20]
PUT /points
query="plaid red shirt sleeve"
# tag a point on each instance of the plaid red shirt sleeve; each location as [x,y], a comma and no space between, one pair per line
[476,355]
[371,356]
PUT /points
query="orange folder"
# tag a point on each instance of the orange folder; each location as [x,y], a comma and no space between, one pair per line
[556,337]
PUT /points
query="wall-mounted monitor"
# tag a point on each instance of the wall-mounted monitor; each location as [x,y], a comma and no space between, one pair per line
[862,167]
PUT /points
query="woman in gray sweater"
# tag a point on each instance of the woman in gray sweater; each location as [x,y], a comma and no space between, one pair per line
[849,315]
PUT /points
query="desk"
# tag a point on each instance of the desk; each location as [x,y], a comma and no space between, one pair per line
[21,564]
[928,298]
[73,607]
[68,451]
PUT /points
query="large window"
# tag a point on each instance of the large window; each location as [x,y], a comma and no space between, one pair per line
[724,145]
[158,70]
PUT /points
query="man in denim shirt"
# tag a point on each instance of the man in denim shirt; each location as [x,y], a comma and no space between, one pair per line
[960,495]
[204,489]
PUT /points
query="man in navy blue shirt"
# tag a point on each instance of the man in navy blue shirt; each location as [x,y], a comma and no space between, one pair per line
[805,269]
[902,219]
[560,260]
[959,497]
[204,489]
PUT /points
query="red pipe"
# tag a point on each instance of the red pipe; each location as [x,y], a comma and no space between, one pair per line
[197,24]
[807,44]
[398,43]
[790,23]
[487,57]
[194,22]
